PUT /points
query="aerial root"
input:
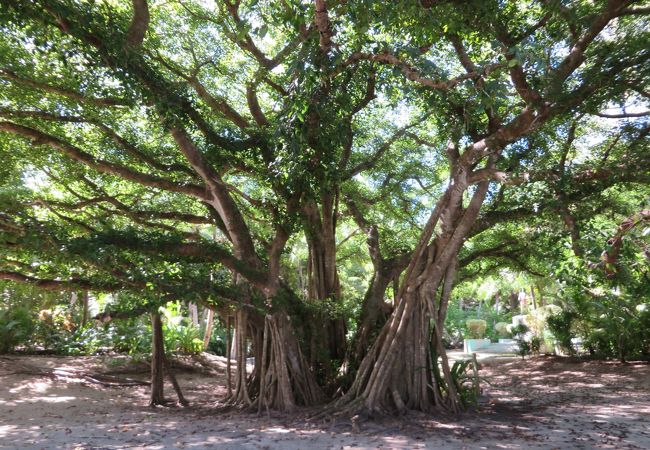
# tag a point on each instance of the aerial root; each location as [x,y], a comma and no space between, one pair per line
[342,409]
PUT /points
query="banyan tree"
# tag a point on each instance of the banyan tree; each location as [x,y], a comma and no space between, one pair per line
[213,136]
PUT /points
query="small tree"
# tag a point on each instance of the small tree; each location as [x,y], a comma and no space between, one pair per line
[524,346]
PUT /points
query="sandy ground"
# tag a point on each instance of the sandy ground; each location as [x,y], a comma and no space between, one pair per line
[539,403]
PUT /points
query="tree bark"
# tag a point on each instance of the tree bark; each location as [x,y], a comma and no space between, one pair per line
[229,355]
[407,367]
[240,394]
[513,300]
[208,328]
[172,378]
[281,379]
[532,296]
[194,314]
[285,379]
[374,310]
[327,334]
[84,308]
[157,361]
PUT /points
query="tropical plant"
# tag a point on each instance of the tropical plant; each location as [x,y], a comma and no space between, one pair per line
[16,326]
[560,326]
[465,375]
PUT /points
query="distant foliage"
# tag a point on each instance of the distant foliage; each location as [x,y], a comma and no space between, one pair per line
[476,328]
[501,329]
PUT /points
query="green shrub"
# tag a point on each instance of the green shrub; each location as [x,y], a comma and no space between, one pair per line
[132,336]
[217,345]
[560,325]
[463,375]
[183,339]
[476,328]
[16,327]
[535,344]
[524,347]
[54,329]
[501,329]
[537,319]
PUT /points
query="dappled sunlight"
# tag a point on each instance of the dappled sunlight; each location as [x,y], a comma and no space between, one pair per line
[448,426]
[5,430]
[571,404]
[586,385]
[526,405]
[32,387]
[49,399]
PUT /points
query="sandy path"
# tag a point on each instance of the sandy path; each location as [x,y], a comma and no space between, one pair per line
[541,403]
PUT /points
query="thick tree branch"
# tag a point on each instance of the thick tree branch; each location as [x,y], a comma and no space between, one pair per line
[218,105]
[623,115]
[220,199]
[73,95]
[610,256]
[244,40]
[504,249]
[634,11]
[576,55]
[324,26]
[254,106]
[371,161]
[139,24]
[71,284]
[40,138]
[125,145]
[413,74]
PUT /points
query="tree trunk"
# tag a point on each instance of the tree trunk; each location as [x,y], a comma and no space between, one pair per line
[532,297]
[157,361]
[407,367]
[84,308]
[540,291]
[208,328]
[281,379]
[285,379]
[174,382]
[229,355]
[327,342]
[514,302]
[194,314]
[373,316]
[240,394]
[374,310]
[328,337]
[234,346]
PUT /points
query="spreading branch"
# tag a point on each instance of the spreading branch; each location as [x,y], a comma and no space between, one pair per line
[64,92]
[103,166]
[413,73]
[71,284]
[139,24]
